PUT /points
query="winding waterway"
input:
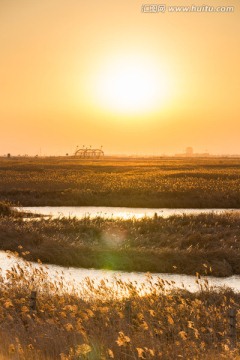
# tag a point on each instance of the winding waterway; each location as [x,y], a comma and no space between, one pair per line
[118,212]
[76,276]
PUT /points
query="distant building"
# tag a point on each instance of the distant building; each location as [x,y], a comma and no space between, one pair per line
[189,151]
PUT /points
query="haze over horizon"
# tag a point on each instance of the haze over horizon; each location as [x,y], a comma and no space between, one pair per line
[80,73]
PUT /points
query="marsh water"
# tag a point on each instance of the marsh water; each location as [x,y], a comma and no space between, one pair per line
[118,212]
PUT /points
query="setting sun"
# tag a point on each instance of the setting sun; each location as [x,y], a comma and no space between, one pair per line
[132,85]
[110,73]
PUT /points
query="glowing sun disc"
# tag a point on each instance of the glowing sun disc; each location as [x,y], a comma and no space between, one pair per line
[132,85]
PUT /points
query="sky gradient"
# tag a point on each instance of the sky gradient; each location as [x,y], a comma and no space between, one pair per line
[58,56]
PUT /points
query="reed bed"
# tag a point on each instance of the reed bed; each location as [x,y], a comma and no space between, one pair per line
[179,244]
[169,182]
[94,323]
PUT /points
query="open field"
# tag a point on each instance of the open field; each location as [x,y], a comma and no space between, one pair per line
[167,182]
[179,244]
[94,324]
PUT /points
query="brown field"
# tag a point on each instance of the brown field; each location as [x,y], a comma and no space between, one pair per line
[166,182]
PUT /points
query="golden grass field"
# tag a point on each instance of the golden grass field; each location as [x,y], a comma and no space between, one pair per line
[167,182]
[179,244]
[115,321]
[93,323]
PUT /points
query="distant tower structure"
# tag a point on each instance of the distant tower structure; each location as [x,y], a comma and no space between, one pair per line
[189,151]
[88,153]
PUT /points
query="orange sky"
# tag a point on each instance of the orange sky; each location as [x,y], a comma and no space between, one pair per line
[56,57]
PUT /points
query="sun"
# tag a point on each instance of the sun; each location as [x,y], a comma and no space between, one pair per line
[132,85]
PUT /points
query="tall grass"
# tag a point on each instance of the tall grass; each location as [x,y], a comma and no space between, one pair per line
[179,244]
[92,322]
[6,209]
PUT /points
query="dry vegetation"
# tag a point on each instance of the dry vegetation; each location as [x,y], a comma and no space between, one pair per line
[179,244]
[173,183]
[93,323]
